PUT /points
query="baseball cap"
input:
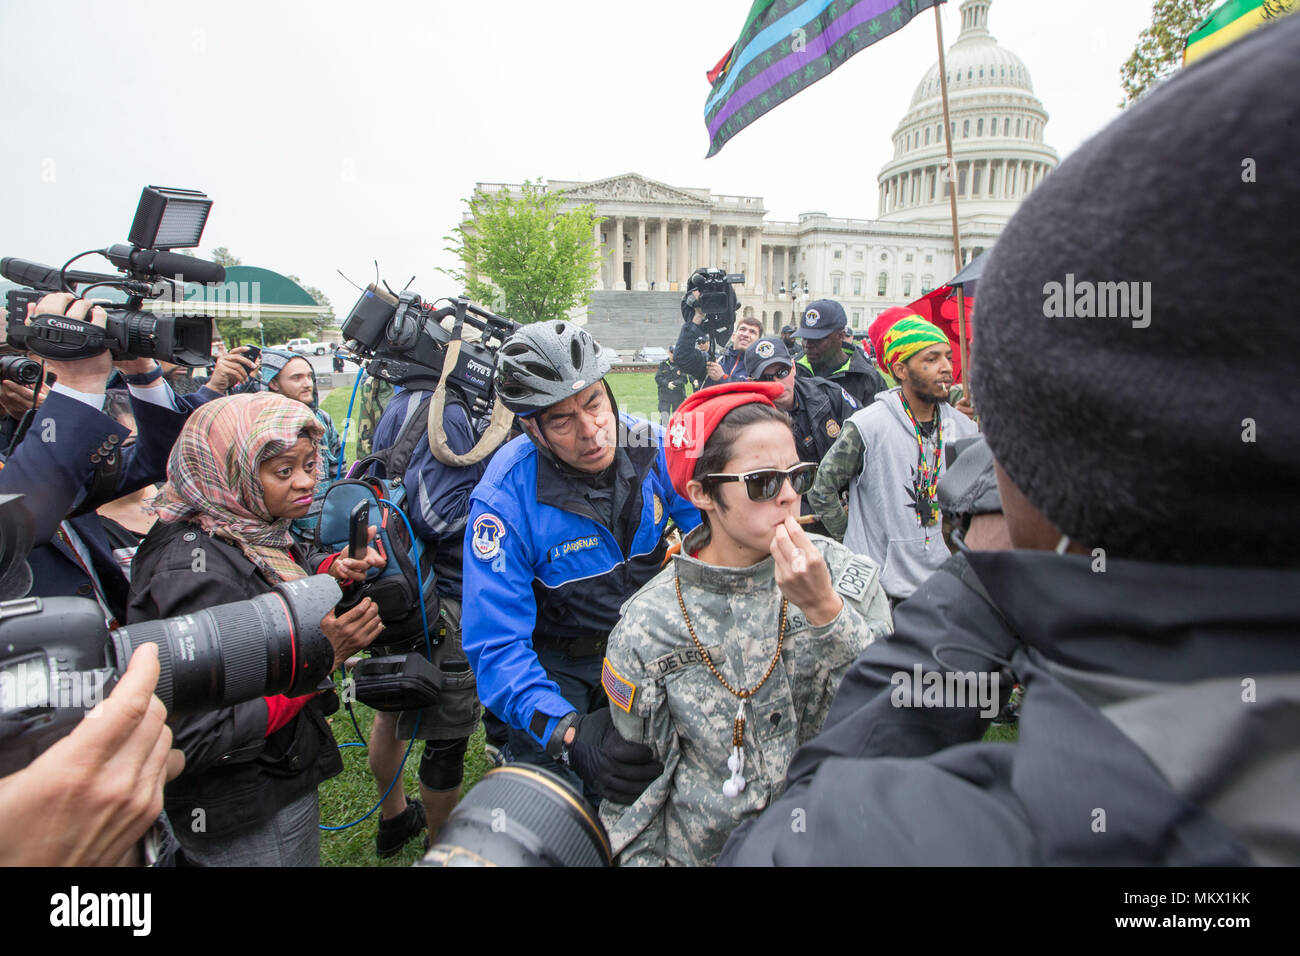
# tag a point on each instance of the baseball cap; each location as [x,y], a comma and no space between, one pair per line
[789,329]
[821,318]
[766,351]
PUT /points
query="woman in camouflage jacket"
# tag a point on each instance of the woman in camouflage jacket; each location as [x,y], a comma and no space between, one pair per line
[752,600]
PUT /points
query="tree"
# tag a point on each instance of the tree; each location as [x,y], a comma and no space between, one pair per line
[524,257]
[1159,51]
[222,257]
[326,318]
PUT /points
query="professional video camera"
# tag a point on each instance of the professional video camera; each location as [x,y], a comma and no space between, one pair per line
[57,658]
[710,291]
[164,219]
[402,340]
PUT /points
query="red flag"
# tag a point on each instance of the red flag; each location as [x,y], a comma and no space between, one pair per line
[940,307]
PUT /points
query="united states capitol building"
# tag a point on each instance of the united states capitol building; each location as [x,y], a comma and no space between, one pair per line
[652,235]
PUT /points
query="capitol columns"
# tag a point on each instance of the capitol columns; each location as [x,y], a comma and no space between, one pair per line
[661,255]
[684,256]
[638,257]
[767,284]
[600,253]
[618,282]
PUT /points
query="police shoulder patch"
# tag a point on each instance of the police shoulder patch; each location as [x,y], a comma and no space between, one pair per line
[619,689]
[659,508]
[855,579]
[487,534]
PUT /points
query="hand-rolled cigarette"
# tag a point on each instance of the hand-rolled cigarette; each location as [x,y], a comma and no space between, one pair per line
[805,519]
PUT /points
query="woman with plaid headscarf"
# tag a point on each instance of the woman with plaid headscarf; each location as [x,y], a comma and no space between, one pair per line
[242,470]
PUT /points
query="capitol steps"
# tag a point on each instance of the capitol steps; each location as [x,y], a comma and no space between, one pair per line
[629,320]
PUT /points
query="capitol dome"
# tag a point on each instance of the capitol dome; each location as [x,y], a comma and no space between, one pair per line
[996,128]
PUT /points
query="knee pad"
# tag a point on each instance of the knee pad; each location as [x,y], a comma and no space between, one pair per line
[442,765]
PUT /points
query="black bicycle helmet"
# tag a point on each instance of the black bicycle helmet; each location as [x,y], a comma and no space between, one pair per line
[543,364]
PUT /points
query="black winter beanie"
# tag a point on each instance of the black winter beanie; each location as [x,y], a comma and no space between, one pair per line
[1168,433]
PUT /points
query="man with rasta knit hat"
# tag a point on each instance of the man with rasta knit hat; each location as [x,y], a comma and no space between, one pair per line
[890,458]
[1149,600]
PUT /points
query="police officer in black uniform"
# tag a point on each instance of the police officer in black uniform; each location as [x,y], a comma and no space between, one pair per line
[817,406]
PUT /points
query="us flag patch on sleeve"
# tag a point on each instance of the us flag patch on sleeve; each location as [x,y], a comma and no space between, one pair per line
[620,690]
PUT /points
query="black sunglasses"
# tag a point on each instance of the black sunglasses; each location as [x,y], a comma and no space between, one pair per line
[766,485]
[779,374]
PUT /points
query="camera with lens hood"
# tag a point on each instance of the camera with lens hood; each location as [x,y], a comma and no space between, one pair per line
[58,658]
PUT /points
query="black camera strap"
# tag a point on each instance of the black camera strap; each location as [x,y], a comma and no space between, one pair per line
[65,339]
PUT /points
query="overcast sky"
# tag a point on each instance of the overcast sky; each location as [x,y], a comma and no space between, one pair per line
[330,134]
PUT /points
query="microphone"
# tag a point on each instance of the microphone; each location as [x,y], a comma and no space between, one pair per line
[169,264]
[46,278]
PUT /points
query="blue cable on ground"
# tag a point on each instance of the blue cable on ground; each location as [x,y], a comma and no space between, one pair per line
[347,422]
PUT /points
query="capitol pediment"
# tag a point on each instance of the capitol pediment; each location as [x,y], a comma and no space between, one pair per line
[632,188]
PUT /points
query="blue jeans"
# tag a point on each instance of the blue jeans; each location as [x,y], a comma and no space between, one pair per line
[290,838]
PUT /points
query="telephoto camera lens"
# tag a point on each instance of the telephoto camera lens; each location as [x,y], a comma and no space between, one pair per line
[223,655]
[520,815]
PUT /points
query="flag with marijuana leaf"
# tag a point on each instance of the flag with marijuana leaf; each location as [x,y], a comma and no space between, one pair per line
[785,47]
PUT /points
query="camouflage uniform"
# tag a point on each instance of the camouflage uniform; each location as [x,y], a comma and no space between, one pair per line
[375,396]
[682,712]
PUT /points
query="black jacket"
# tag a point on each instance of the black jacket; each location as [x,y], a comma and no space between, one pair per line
[233,773]
[1138,743]
[695,363]
[821,409]
[855,374]
[671,379]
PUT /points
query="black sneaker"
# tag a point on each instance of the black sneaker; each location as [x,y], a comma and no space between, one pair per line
[394,833]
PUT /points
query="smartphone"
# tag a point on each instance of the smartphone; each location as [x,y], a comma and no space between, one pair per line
[358,530]
[252,353]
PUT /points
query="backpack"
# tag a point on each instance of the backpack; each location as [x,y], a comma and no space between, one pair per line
[397,588]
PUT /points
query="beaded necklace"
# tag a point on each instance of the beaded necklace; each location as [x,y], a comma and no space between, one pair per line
[736,762]
[927,505]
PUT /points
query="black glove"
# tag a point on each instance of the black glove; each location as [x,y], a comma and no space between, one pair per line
[613,768]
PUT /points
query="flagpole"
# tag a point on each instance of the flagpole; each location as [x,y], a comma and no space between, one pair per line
[952,202]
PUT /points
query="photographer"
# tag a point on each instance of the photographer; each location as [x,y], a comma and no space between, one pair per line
[88,799]
[729,366]
[709,307]
[72,457]
[242,470]
[439,498]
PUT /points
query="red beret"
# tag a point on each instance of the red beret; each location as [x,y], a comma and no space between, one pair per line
[696,418]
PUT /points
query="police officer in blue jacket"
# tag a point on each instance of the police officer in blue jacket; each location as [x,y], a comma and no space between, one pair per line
[567,523]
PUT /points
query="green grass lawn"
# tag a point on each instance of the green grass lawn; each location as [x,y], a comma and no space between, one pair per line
[636,393]
[352,793]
